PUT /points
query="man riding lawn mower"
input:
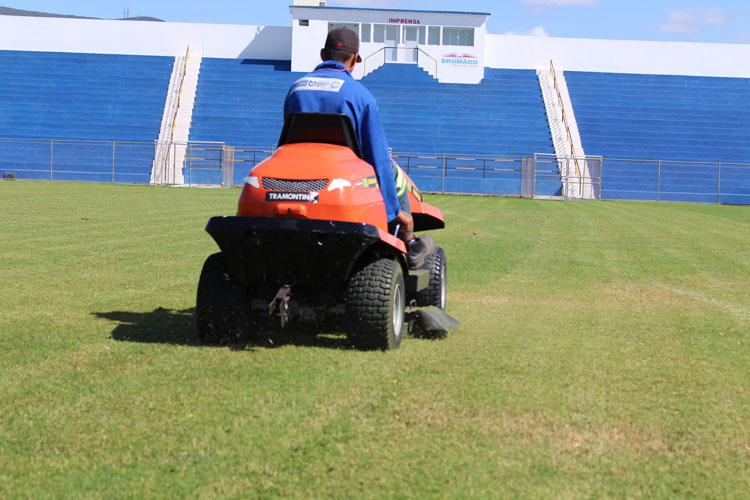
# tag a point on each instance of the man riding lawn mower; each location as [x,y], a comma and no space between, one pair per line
[314,219]
[331,89]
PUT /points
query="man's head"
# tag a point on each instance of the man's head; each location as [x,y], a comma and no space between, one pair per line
[342,45]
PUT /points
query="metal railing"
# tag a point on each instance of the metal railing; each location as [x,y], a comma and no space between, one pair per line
[583,184]
[674,180]
[206,159]
[219,164]
[417,52]
[541,176]
[564,117]
[79,160]
[482,165]
[177,105]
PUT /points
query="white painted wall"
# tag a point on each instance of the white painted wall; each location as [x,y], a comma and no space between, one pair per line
[275,42]
[144,38]
[618,56]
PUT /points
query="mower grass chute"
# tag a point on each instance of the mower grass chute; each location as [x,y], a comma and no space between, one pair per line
[310,245]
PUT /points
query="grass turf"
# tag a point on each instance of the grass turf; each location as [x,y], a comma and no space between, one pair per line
[604,353]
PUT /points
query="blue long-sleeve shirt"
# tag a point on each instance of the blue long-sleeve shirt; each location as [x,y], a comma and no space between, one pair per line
[332,89]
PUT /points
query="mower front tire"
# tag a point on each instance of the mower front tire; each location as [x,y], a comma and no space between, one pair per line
[376,302]
[222,304]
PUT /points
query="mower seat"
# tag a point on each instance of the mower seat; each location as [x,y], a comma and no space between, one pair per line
[320,127]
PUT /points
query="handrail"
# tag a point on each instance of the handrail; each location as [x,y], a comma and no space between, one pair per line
[565,118]
[383,49]
[177,106]
[77,141]
[205,143]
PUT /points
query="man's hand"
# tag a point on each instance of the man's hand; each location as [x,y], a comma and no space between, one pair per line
[407,224]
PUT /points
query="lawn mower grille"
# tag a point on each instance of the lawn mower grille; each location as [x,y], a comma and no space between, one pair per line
[272,184]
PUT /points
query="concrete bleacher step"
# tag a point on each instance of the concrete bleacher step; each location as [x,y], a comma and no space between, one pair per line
[98,97]
[690,115]
[670,116]
[504,114]
[694,125]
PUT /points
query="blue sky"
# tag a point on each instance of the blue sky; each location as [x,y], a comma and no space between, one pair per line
[723,21]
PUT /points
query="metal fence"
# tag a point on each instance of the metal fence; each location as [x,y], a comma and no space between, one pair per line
[550,176]
[667,180]
[60,159]
[218,164]
[581,175]
[537,176]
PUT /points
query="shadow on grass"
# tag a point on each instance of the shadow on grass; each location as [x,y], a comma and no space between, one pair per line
[160,326]
[178,327]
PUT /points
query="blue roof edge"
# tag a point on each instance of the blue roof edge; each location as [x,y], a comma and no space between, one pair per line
[390,10]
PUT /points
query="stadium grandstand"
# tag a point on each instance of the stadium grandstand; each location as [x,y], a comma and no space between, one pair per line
[465,111]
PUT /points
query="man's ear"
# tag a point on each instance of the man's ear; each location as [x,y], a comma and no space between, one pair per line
[322,51]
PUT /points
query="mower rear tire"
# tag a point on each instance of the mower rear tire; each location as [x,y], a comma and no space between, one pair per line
[222,305]
[436,291]
[376,302]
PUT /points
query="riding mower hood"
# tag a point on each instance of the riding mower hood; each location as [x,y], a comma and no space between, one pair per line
[310,246]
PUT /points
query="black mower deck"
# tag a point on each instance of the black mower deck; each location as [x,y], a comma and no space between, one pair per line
[262,250]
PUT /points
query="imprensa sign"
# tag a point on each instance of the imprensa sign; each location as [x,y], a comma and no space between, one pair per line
[397,20]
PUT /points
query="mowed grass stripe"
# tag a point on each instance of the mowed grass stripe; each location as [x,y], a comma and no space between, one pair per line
[588,362]
[696,257]
[693,249]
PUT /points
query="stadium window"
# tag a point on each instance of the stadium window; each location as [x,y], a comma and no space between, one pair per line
[411,34]
[393,34]
[378,33]
[365,32]
[304,22]
[463,37]
[414,34]
[433,35]
[352,26]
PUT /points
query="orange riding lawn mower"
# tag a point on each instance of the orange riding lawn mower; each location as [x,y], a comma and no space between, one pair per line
[310,247]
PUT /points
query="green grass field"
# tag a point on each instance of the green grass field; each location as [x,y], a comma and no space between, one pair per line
[604,353]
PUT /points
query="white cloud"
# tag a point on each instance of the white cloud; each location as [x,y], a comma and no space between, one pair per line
[541,5]
[692,21]
[536,31]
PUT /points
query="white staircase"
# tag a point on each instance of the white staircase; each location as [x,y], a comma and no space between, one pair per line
[163,148]
[565,135]
[176,120]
